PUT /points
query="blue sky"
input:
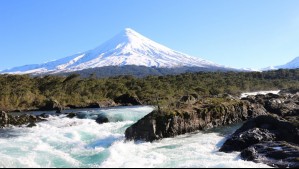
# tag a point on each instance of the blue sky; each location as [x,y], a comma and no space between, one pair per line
[236,33]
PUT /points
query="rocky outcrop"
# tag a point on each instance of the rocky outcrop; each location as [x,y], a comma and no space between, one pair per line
[282,105]
[51,105]
[7,120]
[71,115]
[261,129]
[271,139]
[275,154]
[4,119]
[128,100]
[239,142]
[200,116]
[270,135]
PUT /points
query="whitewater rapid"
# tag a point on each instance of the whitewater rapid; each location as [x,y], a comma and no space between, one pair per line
[243,95]
[64,142]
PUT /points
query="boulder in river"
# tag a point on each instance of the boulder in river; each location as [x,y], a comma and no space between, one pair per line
[261,129]
[102,119]
[275,154]
[71,115]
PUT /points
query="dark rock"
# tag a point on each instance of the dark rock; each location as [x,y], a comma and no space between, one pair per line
[18,120]
[160,124]
[283,129]
[260,129]
[282,105]
[82,115]
[32,124]
[256,109]
[58,111]
[275,154]
[247,138]
[93,105]
[4,119]
[102,119]
[71,115]
[294,120]
[144,129]
[44,115]
[23,119]
[52,105]
[127,99]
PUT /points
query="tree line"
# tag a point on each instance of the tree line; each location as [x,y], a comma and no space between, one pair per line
[21,92]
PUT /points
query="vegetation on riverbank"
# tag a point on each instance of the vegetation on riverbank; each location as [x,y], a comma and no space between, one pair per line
[21,92]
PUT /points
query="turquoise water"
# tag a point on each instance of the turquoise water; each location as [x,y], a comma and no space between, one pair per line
[64,142]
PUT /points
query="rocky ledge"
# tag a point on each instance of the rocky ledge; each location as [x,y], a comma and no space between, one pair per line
[271,139]
[192,116]
[261,129]
[270,134]
[275,154]
[7,120]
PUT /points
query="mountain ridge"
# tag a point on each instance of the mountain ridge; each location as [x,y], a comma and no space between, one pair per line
[293,64]
[126,48]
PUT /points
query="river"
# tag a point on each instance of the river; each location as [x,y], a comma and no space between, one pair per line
[65,142]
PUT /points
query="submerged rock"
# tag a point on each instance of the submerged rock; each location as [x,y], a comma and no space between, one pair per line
[275,154]
[32,124]
[44,115]
[71,115]
[102,119]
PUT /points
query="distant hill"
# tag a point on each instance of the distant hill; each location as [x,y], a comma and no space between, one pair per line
[140,71]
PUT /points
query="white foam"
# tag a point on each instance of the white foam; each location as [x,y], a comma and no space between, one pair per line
[243,95]
[191,150]
[64,142]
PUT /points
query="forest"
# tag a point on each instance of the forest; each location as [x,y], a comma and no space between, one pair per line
[25,92]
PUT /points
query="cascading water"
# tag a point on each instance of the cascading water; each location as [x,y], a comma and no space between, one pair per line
[64,142]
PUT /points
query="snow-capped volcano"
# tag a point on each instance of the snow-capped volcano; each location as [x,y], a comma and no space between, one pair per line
[294,64]
[126,48]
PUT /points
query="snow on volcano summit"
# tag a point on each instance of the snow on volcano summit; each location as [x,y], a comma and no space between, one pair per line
[126,48]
